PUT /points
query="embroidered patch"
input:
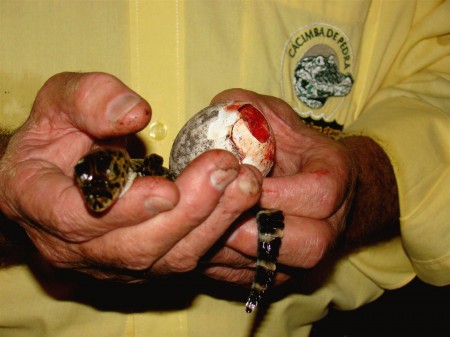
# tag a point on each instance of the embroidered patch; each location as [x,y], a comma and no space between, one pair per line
[317,75]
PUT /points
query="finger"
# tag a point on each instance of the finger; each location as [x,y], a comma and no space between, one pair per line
[274,109]
[97,103]
[308,194]
[229,265]
[236,94]
[238,276]
[304,243]
[232,266]
[201,185]
[239,196]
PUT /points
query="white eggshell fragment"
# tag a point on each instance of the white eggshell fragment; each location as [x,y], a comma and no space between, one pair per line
[234,126]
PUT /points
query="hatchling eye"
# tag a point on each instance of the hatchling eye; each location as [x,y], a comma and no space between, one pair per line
[85,177]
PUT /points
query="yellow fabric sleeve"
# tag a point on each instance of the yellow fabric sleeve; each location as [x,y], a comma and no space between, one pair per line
[410,118]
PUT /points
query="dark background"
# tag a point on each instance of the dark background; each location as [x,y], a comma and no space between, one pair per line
[418,309]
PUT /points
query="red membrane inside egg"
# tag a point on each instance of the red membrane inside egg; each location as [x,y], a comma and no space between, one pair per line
[238,127]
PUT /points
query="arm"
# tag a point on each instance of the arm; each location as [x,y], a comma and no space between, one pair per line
[374,214]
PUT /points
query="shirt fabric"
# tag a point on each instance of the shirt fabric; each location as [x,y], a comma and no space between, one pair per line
[384,67]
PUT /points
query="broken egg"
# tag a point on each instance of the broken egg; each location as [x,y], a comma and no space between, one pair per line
[237,127]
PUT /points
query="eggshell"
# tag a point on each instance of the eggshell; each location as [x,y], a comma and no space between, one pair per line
[238,127]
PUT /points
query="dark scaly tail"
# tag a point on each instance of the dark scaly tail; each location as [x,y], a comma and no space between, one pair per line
[270,231]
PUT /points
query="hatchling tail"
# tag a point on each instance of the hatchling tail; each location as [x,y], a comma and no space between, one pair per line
[270,231]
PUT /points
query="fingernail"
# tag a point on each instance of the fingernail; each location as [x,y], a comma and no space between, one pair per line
[121,105]
[249,185]
[158,204]
[222,178]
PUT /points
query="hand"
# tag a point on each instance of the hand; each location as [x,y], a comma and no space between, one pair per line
[158,227]
[312,182]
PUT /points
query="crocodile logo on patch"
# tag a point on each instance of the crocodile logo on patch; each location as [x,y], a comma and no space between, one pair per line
[317,76]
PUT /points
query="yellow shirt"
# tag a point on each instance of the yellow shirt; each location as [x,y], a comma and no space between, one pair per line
[376,68]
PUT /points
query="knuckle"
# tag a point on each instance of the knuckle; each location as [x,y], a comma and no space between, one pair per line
[325,204]
[182,262]
[238,276]
[53,84]
[328,203]
[314,255]
[131,258]
[183,267]
[178,260]
[85,85]
[243,277]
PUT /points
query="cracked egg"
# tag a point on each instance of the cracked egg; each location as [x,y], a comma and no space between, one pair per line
[237,127]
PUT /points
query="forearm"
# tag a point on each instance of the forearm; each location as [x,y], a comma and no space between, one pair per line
[374,214]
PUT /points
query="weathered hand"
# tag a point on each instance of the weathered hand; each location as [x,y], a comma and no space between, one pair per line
[158,227]
[312,182]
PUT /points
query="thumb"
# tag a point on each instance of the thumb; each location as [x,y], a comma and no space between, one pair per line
[96,103]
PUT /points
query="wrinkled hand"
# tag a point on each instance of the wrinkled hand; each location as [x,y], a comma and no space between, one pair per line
[312,183]
[158,227]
